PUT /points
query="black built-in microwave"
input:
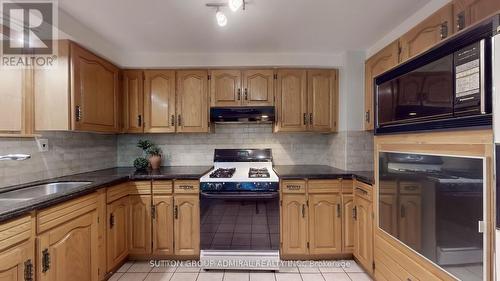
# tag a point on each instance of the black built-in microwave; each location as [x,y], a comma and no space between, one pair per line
[446,87]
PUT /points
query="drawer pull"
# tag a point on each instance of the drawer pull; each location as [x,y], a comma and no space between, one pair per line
[111,221]
[362,190]
[28,270]
[411,187]
[303,211]
[186,187]
[293,187]
[45,260]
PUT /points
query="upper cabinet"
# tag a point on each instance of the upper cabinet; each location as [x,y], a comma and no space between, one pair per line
[159,101]
[80,93]
[382,61]
[252,87]
[133,101]
[192,101]
[306,100]
[469,12]
[17,104]
[427,33]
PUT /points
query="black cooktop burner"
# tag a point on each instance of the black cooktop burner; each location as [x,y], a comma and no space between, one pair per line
[258,173]
[223,173]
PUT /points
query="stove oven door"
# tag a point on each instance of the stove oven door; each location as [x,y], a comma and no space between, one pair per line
[239,221]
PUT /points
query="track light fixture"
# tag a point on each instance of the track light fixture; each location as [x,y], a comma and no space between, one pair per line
[234,5]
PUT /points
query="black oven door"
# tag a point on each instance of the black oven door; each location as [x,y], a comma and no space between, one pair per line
[239,221]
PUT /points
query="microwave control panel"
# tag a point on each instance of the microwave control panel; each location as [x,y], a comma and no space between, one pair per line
[468,77]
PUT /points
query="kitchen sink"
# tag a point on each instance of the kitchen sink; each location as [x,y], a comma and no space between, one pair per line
[39,190]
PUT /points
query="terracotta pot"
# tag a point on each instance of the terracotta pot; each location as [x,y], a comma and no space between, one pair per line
[155,162]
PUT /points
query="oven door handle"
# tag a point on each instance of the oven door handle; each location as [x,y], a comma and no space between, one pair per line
[239,195]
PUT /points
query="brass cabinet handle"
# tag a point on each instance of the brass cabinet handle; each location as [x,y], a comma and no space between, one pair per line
[176,212]
[28,270]
[78,113]
[303,210]
[246,94]
[338,210]
[461,20]
[362,191]
[139,120]
[153,211]
[172,120]
[367,116]
[305,118]
[45,260]
[443,33]
[111,221]
[355,213]
[239,94]
[179,121]
[310,118]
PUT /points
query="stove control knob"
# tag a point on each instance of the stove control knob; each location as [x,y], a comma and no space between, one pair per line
[218,186]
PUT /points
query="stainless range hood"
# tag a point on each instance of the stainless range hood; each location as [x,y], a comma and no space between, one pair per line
[256,114]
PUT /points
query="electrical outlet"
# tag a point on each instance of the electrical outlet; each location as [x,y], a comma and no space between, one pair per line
[43,145]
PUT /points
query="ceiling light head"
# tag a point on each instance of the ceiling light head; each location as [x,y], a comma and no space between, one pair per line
[234,5]
[221,18]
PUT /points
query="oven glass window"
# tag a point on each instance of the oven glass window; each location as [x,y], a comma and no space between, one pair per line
[434,205]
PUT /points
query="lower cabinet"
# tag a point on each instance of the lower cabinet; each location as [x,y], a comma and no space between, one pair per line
[117,229]
[294,224]
[325,229]
[139,238]
[348,223]
[16,263]
[187,225]
[163,224]
[363,225]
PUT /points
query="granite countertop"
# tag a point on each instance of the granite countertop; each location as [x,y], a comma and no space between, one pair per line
[99,179]
[321,172]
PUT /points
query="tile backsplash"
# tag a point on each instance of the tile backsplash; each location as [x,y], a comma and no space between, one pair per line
[73,152]
[69,153]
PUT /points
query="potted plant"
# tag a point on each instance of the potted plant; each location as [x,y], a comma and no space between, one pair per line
[154,153]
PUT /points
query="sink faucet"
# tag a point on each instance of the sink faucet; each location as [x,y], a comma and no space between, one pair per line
[17,157]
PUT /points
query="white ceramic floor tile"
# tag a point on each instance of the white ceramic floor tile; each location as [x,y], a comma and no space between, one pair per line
[331,270]
[125,266]
[159,276]
[129,276]
[184,276]
[309,270]
[356,276]
[164,268]
[288,277]
[115,276]
[289,269]
[187,269]
[312,277]
[236,276]
[352,266]
[337,276]
[210,276]
[140,266]
[262,276]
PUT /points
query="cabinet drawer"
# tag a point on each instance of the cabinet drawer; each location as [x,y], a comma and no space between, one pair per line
[388,187]
[186,186]
[162,187]
[15,231]
[297,186]
[323,186]
[64,212]
[347,186]
[116,192]
[363,190]
[140,187]
[407,187]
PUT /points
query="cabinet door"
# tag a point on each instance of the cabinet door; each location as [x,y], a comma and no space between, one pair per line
[388,213]
[291,98]
[322,100]
[363,233]
[258,87]
[294,224]
[159,101]
[133,110]
[347,223]
[12,87]
[15,262]
[95,92]
[117,227]
[379,63]
[427,33]
[139,237]
[192,101]
[325,224]
[163,225]
[225,88]
[187,225]
[69,251]
[410,213]
[469,12]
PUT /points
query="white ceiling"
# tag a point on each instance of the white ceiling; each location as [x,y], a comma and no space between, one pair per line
[267,26]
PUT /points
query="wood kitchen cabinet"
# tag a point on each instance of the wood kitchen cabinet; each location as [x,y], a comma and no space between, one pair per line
[163,224]
[139,237]
[250,87]
[117,232]
[379,63]
[68,241]
[192,101]
[17,250]
[427,33]
[291,100]
[81,93]
[410,214]
[133,96]
[363,225]
[17,102]
[294,231]
[347,223]
[325,224]
[187,225]
[469,12]
[322,100]
[159,101]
